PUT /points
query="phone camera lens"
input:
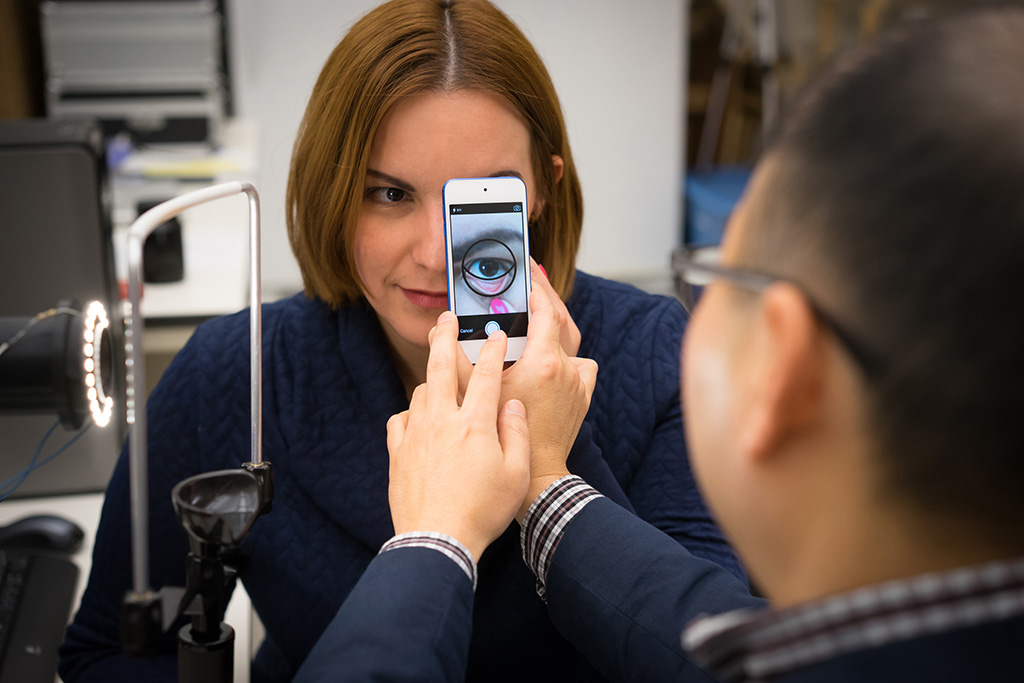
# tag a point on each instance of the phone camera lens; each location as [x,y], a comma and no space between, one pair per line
[485,189]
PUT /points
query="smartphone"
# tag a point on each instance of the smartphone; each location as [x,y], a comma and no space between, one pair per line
[487,245]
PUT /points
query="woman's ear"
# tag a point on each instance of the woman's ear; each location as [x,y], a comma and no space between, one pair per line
[559,165]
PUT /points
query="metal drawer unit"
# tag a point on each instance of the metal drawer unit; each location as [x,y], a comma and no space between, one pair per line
[155,69]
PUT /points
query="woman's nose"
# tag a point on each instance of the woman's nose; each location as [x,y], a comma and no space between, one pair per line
[430,245]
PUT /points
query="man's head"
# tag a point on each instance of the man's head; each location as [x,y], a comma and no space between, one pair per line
[892,208]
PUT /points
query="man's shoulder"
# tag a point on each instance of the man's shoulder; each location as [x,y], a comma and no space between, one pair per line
[987,651]
[963,624]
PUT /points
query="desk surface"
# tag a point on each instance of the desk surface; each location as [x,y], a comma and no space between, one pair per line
[84,510]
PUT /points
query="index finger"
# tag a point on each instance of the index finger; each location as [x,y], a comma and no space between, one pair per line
[544,329]
[442,363]
[484,390]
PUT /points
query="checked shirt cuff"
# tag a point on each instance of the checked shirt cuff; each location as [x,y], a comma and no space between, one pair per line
[442,543]
[546,520]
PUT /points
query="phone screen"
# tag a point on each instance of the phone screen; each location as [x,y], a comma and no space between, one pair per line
[490,268]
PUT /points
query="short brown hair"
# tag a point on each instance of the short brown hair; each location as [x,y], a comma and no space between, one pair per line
[401,48]
[894,199]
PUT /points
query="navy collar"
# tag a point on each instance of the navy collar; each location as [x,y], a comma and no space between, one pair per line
[761,644]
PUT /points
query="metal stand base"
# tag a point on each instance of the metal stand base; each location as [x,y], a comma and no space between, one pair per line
[211,662]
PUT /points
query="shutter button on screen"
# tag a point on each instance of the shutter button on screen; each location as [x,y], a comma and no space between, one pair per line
[491,327]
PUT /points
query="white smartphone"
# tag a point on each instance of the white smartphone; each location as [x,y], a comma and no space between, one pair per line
[488,249]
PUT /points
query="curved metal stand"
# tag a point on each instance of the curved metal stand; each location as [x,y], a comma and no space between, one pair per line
[217,509]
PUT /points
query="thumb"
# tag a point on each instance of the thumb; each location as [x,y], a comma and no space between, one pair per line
[514,438]
[587,369]
[396,430]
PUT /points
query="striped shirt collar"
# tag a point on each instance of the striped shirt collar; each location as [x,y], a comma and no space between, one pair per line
[759,644]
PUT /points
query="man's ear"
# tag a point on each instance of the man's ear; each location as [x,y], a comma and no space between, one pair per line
[786,371]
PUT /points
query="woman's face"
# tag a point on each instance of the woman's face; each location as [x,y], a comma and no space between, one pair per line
[399,241]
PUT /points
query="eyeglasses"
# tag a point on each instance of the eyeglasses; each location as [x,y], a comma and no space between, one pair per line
[693,268]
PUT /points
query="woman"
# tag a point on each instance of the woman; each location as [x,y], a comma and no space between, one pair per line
[419,91]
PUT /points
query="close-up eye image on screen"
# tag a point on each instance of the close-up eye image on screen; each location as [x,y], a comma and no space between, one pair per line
[489,262]
[488,256]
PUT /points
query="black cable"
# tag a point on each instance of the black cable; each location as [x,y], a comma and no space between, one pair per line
[11,484]
[39,317]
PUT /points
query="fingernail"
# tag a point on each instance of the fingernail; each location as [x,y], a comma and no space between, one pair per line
[516,407]
[499,306]
[542,270]
[445,317]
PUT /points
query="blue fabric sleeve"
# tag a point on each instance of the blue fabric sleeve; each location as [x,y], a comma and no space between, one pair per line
[407,619]
[621,592]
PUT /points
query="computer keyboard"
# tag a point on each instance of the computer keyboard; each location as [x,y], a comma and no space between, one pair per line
[36,592]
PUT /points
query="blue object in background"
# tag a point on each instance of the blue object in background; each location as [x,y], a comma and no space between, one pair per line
[710,198]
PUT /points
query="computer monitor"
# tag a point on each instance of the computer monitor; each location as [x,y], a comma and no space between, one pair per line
[55,246]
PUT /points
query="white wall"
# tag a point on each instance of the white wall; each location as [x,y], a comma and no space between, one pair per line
[619,70]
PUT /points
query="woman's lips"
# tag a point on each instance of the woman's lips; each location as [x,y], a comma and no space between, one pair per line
[433,300]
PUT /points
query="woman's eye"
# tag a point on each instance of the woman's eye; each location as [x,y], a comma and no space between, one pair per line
[488,268]
[489,276]
[386,195]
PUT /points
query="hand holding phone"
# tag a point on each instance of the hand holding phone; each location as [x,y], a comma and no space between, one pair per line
[458,466]
[487,249]
[556,389]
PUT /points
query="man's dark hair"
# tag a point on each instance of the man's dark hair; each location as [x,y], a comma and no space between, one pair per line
[895,196]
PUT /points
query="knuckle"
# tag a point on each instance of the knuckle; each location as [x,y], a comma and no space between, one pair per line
[484,369]
[550,367]
[419,395]
[440,361]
